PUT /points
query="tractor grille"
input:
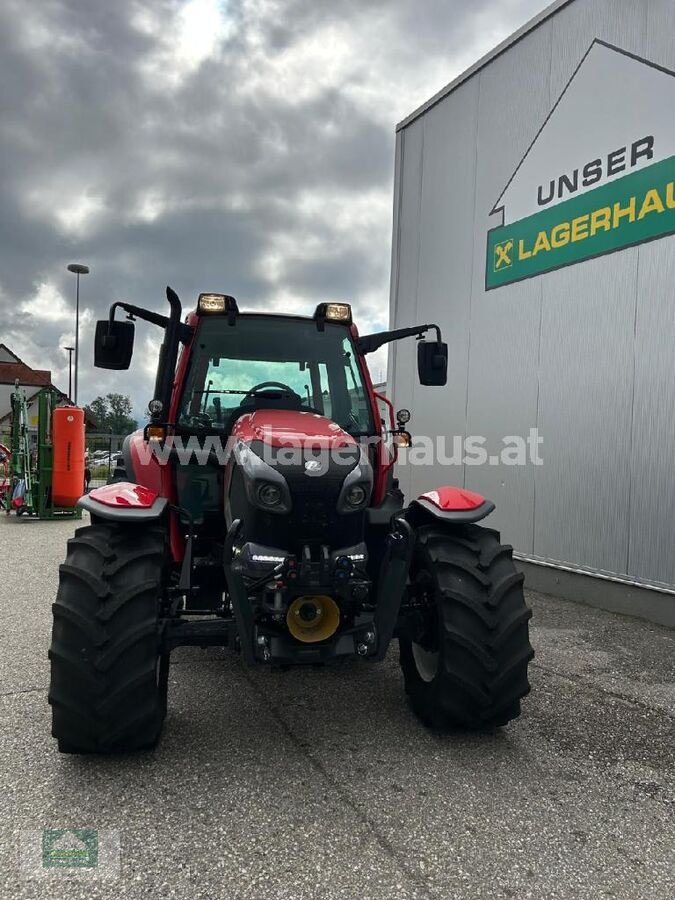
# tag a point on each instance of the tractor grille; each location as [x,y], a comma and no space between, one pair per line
[314,518]
[314,510]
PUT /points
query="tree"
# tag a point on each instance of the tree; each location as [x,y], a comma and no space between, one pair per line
[98,411]
[120,419]
[112,413]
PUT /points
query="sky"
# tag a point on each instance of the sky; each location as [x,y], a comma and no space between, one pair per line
[239,146]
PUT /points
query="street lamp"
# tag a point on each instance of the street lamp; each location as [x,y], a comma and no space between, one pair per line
[70,371]
[78,270]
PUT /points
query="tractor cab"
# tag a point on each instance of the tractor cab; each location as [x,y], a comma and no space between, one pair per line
[272,362]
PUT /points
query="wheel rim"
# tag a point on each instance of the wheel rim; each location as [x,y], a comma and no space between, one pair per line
[426,661]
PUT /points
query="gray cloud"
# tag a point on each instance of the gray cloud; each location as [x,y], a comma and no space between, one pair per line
[260,164]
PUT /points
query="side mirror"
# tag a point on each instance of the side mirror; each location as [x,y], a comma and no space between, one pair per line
[113,344]
[432,362]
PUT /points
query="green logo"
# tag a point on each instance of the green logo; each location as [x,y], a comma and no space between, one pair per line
[630,210]
[503,256]
[70,849]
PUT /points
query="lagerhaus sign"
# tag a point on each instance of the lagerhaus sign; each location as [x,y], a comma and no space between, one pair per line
[599,176]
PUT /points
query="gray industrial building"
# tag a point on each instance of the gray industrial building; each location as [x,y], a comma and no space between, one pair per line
[534,221]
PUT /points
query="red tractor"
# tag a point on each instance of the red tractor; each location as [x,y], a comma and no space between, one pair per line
[257,510]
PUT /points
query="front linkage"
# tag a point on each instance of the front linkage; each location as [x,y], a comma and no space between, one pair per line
[313,617]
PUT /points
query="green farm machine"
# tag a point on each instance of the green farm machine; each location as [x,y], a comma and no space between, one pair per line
[30,466]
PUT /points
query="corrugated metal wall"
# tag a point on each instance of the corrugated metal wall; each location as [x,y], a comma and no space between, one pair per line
[586,354]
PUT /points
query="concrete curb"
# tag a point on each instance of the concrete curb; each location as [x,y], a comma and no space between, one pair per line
[645,603]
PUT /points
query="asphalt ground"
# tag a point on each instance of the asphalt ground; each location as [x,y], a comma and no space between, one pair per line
[322,784]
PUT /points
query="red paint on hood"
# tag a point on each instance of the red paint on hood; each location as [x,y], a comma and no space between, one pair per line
[287,428]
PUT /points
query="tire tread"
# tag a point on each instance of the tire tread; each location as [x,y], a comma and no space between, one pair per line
[483,630]
[104,690]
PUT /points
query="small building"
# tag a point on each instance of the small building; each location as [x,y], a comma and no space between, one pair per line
[30,380]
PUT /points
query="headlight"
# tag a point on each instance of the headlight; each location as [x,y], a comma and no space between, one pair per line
[356,496]
[356,488]
[269,495]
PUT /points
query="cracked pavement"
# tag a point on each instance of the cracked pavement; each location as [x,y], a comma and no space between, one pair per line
[320,783]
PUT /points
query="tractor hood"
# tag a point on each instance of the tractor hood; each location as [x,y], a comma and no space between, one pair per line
[296,478]
[282,427]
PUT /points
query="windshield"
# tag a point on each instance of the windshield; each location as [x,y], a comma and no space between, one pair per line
[310,370]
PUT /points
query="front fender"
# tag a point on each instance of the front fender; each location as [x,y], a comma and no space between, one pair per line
[124,501]
[452,504]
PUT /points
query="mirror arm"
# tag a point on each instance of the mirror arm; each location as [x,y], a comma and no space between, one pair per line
[139,313]
[175,332]
[185,332]
[370,342]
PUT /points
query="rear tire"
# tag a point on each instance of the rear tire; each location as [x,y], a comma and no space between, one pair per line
[108,677]
[465,664]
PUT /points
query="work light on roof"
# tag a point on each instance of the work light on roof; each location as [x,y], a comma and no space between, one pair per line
[334,312]
[216,303]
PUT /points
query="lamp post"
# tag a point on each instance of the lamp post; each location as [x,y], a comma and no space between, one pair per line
[70,371]
[78,270]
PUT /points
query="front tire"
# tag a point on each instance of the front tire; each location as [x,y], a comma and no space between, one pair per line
[108,676]
[466,653]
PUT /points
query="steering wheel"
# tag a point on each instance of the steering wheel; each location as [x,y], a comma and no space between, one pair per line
[250,394]
[288,391]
